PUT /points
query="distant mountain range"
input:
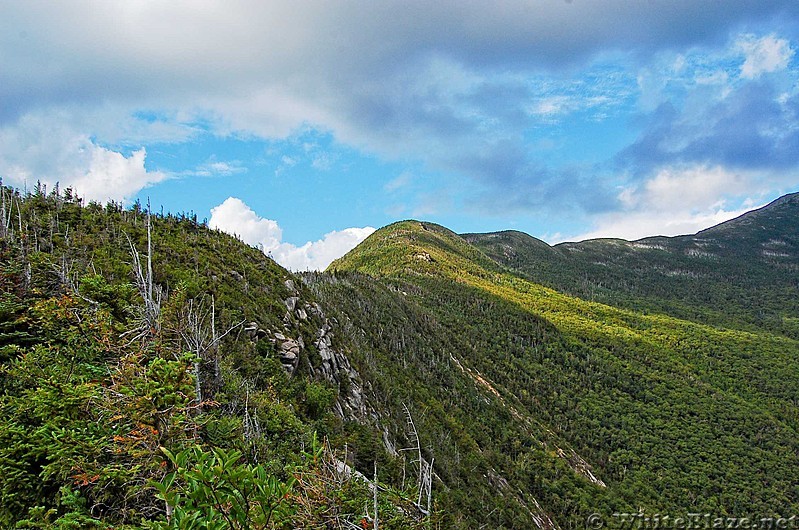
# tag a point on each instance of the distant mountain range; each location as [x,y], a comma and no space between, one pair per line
[744,272]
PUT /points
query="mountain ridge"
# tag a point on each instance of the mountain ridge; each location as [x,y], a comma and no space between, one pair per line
[438,362]
[692,276]
[605,343]
[789,199]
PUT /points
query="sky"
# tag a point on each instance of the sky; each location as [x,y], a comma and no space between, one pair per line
[301,126]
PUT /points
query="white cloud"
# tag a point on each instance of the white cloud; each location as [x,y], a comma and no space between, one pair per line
[677,201]
[765,55]
[688,188]
[235,217]
[639,224]
[380,76]
[701,75]
[48,148]
[266,68]
[111,175]
[317,255]
[213,168]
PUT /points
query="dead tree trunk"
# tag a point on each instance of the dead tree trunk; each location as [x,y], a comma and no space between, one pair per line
[150,318]
[197,330]
[424,482]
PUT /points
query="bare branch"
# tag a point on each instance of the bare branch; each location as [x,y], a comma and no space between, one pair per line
[150,313]
[424,481]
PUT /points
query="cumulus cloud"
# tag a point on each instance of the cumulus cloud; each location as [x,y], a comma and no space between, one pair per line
[638,224]
[111,175]
[678,201]
[458,86]
[48,149]
[235,217]
[764,55]
[690,188]
[317,255]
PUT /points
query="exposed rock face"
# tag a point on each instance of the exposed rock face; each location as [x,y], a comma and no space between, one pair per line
[288,349]
[333,366]
[290,354]
[336,368]
[291,302]
[254,331]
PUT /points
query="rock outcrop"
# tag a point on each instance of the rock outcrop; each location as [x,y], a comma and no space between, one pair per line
[333,366]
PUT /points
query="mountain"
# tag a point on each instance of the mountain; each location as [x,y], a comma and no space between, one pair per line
[484,380]
[574,406]
[743,273]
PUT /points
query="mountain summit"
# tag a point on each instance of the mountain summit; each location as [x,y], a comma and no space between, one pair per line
[634,402]
[413,246]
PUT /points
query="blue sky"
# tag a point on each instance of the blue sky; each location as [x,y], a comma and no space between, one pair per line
[302,126]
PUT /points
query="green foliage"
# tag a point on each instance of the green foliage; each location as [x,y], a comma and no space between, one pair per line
[533,387]
[71,514]
[319,399]
[523,402]
[94,398]
[118,299]
[214,490]
[742,274]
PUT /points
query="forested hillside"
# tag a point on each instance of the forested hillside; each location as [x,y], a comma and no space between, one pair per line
[743,273]
[159,374]
[155,373]
[603,409]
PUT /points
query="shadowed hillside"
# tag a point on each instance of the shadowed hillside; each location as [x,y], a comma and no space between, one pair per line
[605,409]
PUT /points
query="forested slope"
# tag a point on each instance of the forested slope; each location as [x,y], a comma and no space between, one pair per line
[743,273]
[155,373]
[666,413]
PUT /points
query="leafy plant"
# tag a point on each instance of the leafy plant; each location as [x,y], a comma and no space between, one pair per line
[214,490]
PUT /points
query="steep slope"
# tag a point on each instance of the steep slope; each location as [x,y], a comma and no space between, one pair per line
[574,407]
[156,373]
[742,273]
